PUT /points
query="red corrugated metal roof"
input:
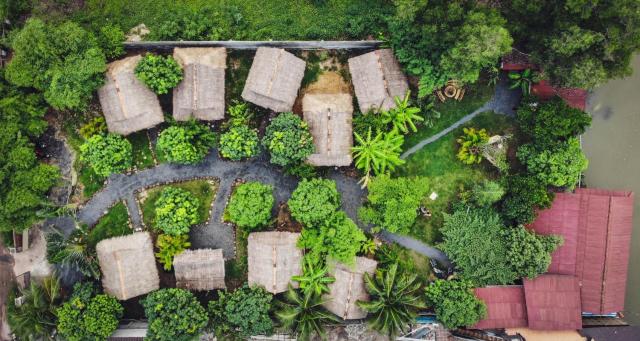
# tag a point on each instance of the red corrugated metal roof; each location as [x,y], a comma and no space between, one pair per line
[553,302]
[516,61]
[574,97]
[505,307]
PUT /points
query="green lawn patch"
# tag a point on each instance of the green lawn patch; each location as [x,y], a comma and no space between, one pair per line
[114,223]
[236,269]
[142,155]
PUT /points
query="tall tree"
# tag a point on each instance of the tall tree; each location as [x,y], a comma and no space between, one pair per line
[454,303]
[35,319]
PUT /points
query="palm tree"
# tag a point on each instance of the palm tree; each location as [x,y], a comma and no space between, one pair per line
[73,252]
[303,314]
[403,115]
[35,319]
[395,300]
[314,278]
[378,154]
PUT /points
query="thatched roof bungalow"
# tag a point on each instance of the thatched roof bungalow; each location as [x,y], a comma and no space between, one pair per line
[128,105]
[377,79]
[201,269]
[348,288]
[274,79]
[273,260]
[128,265]
[200,95]
[329,117]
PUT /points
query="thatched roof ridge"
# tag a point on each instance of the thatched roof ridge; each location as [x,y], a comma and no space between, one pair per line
[128,105]
[201,269]
[348,288]
[273,259]
[201,92]
[128,265]
[329,117]
[274,79]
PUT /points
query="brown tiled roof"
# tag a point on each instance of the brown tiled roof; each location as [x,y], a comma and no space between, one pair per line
[553,302]
[506,307]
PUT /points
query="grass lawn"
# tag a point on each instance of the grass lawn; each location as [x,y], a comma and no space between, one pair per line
[142,156]
[236,269]
[204,190]
[114,223]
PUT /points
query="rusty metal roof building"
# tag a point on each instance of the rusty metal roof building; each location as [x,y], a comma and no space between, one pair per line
[506,307]
[553,302]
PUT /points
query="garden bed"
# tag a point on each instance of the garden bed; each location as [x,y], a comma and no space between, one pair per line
[115,223]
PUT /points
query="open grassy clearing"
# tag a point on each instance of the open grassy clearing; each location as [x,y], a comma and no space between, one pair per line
[114,223]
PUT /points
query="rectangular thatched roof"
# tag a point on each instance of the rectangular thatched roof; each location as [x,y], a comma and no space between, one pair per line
[128,105]
[201,92]
[128,265]
[349,288]
[274,79]
[329,117]
[377,79]
[201,269]
[273,260]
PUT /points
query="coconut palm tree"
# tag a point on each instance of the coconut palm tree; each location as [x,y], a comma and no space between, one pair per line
[303,314]
[73,252]
[35,319]
[402,117]
[378,154]
[395,300]
[314,278]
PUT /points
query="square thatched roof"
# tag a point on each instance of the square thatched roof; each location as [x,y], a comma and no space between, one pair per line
[349,288]
[128,105]
[274,79]
[201,269]
[273,260]
[201,92]
[377,79]
[128,265]
[329,117]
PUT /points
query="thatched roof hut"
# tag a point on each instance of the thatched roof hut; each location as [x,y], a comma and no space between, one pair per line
[349,288]
[274,79]
[201,92]
[128,105]
[273,260]
[329,117]
[377,79]
[128,265]
[201,269]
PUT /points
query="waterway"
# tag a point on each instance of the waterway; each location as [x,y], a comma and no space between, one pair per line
[612,145]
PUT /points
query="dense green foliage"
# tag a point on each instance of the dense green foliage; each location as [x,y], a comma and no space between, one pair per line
[559,164]
[176,210]
[377,154]
[486,193]
[88,317]
[402,116]
[170,246]
[455,303]
[113,224]
[243,313]
[471,145]
[524,194]
[97,125]
[314,278]
[529,253]
[250,205]
[74,252]
[302,313]
[186,143]
[159,73]
[239,142]
[314,201]
[110,39]
[393,203]
[174,315]
[238,115]
[288,140]
[107,154]
[206,23]
[551,121]
[35,319]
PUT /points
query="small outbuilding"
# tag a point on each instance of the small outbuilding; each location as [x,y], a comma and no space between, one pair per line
[329,117]
[201,269]
[127,104]
[377,79]
[200,95]
[128,265]
[553,302]
[274,79]
[348,288]
[273,259]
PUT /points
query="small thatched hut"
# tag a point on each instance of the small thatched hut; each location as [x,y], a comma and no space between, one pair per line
[201,92]
[274,79]
[128,265]
[273,260]
[329,117]
[377,79]
[349,288]
[128,105]
[201,269]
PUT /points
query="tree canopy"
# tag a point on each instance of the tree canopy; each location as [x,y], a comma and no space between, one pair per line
[185,143]
[551,121]
[243,313]
[176,210]
[107,154]
[174,315]
[89,318]
[250,205]
[528,252]
[455,303]
[559,164]
[314,200]
[288,140]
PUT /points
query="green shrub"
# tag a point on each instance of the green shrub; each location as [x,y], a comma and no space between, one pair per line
[486,193]
[530,253]
[88,318]
[176,210]
[110,39]
[174,315]
[97,126]
[302,171]
[455,303]
[524,195]
[239,142]
[313,201]
[107,154]
[362,122]
[288,140]
[187,143]
[239,115]
[551,121]
[218,22]
[560,164]
[242,313]
[250,205]
[170,246]
[471,144]
[159,73]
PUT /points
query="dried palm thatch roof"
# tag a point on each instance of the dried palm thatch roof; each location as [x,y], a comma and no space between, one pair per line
[274,79]
[329,117]
[201,269]
[377,80]
[128,265]
[273,260]
[128,105]
[349,288]
[201,92]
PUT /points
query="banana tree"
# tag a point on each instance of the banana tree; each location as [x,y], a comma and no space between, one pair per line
[522,80]
[377,154]
[314,278]
[402,117]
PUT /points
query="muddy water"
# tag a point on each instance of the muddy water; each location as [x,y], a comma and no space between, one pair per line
[613,148]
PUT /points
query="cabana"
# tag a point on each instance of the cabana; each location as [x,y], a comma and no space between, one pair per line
[200,95]
[329,117]
[273,259]
[127,104]
[274,79]
[128,265]
[348,288]
[201,269]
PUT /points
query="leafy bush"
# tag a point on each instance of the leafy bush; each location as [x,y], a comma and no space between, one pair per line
[89,319]
[529,253]
[288,140]
[377,155]
[524,195]
[243,313]
[239,142]
[560,164]
[302,171]
[187,143]
[471,144]
[486,193]
[455,303]
[176,210]
[159,73]
[250,205]
[36,318]
[239,115]
[107,154]
[402,116]
[174,315]
[551,121]
[97,126]
[362,122]
[313,201]
[170,246]
[110,39]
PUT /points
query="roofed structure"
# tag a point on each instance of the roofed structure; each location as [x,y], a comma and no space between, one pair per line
[128,105]
[377,79]
[201,269]
[348,288]
[128,265]
[516,61]
[200,94]
[506,307]
[273,259]
[274,79]
[574,97]
[553,302]
[329,117]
